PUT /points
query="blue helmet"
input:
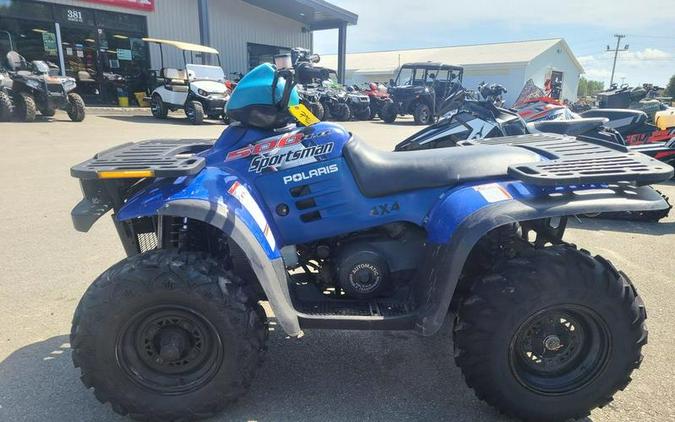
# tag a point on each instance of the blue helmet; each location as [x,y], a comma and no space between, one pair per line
[253,103]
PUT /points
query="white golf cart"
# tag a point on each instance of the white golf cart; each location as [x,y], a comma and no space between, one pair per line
[198,89]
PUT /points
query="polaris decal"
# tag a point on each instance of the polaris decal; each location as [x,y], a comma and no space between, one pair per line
[268,145]
[306,175]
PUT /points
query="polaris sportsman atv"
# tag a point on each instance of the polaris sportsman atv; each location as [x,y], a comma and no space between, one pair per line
[200,90]
[37,87]
[419,89]
[336,234]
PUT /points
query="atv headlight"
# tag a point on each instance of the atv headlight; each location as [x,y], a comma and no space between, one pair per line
[33,84]
[202,92]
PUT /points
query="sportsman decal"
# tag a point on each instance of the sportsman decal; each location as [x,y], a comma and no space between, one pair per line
[261,162]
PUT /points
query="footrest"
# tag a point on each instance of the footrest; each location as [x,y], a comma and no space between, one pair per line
[355,308]
[154,158]
[573,161]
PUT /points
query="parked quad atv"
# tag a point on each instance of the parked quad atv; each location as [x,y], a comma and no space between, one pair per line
[359,103]
[37,87]
[419,89]
[6,104]
[198,89]
[337,234]
[379,97]
[311,98]
[334,101]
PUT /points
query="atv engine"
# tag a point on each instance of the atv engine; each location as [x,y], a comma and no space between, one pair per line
[368,264]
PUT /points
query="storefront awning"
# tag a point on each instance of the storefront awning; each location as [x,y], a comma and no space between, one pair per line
[315,14]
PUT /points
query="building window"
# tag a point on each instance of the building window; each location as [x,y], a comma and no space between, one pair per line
[103,51]
[261,53]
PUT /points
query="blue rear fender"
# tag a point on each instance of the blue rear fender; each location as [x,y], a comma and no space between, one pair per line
[223,200]
[468,212]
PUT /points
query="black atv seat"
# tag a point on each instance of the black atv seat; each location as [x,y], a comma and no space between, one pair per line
[381,173]
[567,127]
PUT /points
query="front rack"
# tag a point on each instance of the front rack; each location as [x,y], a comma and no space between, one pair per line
[572,161]
[158,158]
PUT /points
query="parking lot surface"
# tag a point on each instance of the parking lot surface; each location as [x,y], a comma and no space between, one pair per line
[325,376]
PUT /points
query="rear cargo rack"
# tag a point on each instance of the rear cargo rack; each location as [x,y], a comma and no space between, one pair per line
[575,161]
[160,157]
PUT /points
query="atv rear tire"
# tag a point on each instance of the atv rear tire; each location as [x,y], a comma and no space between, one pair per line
[422,114]
[6,107]
[550,335]
[363,114]
[341,112]
[76,108]
[168,335]
[158,108]
[388,112]
[194,112]
[24,107]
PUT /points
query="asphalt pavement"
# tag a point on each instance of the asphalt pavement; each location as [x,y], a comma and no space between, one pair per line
[45,266]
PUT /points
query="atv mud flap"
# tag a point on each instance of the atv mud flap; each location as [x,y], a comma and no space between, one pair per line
[455,228]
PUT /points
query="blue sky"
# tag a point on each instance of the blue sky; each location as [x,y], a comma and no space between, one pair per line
[588,27]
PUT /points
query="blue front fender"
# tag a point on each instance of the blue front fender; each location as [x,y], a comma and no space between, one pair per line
[224,201]
[221,191]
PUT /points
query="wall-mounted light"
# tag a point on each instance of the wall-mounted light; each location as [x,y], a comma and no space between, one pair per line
[38,30]
[120,37]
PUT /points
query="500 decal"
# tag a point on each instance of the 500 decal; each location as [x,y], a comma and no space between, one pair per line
[286,140]
[261,162]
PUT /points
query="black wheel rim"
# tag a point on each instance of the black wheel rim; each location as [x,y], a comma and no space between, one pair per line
[169,349]
[559,350]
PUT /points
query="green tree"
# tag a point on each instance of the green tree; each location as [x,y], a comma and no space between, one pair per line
[589,87]
[670,89]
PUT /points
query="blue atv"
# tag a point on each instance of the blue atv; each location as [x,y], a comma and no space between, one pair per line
[335,234]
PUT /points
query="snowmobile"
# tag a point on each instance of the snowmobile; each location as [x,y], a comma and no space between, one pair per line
[472,119]
[632,125]
[336,234]
[38,87]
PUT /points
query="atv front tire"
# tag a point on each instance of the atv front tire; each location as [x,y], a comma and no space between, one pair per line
[195,112]
[158,108]
[168,335]
[24,107]
[317,110]
[550,335]
[76,108]
[6,107]
[363,114]
[388,112]
[341,112]
[422,114]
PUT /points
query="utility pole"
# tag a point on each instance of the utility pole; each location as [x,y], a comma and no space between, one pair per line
[616,53]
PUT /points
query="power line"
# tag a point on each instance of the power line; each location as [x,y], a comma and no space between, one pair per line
[616,54]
